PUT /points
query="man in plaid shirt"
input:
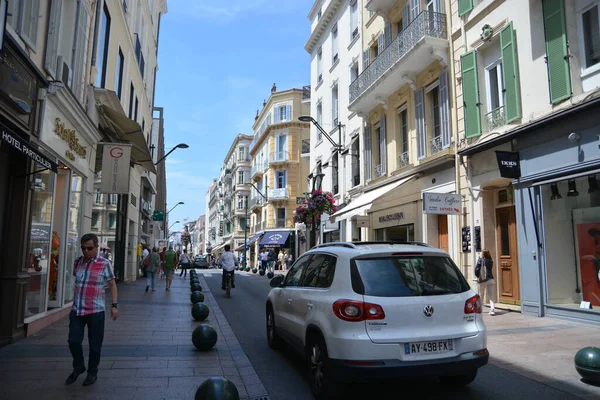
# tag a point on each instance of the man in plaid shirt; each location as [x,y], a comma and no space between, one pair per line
[93,273]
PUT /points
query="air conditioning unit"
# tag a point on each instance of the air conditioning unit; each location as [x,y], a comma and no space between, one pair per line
[64,71]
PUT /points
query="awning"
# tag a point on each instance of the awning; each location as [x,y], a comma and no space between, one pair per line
[15,141]
[274,238]
[364,201]
[252,240]
[126,129]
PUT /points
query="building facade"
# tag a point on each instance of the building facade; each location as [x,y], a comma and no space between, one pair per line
[278,171]
[335,46]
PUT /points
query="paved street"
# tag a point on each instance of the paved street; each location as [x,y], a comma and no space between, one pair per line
[531,357]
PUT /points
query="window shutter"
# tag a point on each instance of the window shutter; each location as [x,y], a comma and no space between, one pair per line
[470,87]
[388,34]
[420,119]
[557,52]
[368,154]
[383,144]
[510,74]
[276,111]
[415,8]
[52,39]
[380,43]
[284,178]
[81,41]
[464,6]
[445,109]
[366,56]
[405,15]
[288,112]
[30,15]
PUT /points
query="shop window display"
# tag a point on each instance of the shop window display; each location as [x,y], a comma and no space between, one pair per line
[401,233]
[572,241]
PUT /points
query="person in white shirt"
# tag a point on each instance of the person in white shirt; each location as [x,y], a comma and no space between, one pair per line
[228,261]
[264,257]
[185,262]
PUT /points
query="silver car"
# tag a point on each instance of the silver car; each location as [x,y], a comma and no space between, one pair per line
[371,310]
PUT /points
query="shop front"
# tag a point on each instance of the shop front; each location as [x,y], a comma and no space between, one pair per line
[27,171]
[278,241]
[558,210]
[60,209]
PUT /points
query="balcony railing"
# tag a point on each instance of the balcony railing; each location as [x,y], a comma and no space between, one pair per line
[494,119]
[278,194]
[403,160]
[435,145]
[306,93]
[379,171]
[426,24]
[279,156]
[256,202]
[258,168]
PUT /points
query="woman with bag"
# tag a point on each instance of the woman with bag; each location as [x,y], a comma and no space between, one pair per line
[185,262]
[485,278]
[151,269]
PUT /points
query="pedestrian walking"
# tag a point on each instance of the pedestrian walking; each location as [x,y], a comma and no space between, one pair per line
[184,260]
[93,273]
[162,262]
[485,278]
[289,260]
[264,259]
[272,259]
[152,269]
[170,264]
[281,259]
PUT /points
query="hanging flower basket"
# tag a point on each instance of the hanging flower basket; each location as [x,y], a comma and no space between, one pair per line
[317,203]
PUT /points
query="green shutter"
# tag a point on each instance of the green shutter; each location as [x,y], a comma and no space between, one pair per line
[510,74]
[470,87]
[557,52]
[464,6]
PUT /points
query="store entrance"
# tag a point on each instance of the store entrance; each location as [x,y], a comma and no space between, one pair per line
[508,264]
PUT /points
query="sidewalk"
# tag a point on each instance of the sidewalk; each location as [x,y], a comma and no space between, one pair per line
[147,353]
[541,349]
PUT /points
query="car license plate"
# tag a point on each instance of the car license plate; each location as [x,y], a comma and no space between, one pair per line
[434,347]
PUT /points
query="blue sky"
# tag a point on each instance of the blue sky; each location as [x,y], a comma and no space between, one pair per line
[216,66]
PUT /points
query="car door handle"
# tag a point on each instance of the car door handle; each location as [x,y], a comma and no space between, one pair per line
[309,306]
[289,300]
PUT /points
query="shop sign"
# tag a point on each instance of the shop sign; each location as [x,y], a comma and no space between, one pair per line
[300,200]
[14,141]
[17,84]
[441,203]
[392,217]
[115,168]
[70,137]
[509,164]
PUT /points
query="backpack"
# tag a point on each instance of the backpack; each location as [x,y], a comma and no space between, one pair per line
[481,271]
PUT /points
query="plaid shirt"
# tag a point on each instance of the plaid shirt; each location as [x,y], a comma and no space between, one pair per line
[91,280]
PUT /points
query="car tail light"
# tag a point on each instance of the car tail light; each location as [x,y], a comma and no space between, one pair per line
[473,305]
[356,311]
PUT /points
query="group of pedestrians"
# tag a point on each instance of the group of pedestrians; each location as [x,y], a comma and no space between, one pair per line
[163,263]
[269,260]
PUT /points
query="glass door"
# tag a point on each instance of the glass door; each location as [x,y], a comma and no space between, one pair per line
[73,234]
[59,227]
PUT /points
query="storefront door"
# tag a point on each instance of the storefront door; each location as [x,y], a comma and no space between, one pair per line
[508,264]
[443,232]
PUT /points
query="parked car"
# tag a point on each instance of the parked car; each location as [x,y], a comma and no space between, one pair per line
[200,262]
[371,310]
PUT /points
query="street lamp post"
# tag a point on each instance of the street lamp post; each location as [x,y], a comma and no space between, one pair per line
[165,217]
[246,230]
[316,185]
[179,146]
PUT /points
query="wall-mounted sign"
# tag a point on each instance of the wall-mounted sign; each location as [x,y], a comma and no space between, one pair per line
[70,136]
[17,84]
[477,239]
[22,146]
[466,239]
[392,217]
[441,203]
[300,200]
[115,168]
[509,164]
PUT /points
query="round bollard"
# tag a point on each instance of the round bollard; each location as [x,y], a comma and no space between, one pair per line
[197,297]
[217,389]
[204,337]
[254,270]
[587,364]
[196,287]
[200,311]
[262,272]
[270,275]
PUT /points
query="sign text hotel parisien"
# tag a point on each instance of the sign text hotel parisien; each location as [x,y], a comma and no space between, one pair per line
[441,203]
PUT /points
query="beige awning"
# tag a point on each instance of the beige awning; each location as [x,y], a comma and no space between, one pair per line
[127,130]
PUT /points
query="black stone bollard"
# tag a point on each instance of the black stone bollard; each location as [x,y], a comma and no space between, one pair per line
[254,270]
[196,287]
[204,337]
[270,275]
[261,272]
[197,297]
[217,388]
[587,364]
[200,311]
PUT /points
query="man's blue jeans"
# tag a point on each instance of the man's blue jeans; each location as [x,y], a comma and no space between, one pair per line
[95,324]
[150,279]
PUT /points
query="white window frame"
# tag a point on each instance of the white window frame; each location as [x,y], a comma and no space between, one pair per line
[335,104]
[428,89]
[97,219]
[241,174]
[319,113]
[277,176]
[335,41]
[488,84]
[354,19]
[319,65]
[277,215]
[18,21]
[400,110]
[586,71]
[98,198]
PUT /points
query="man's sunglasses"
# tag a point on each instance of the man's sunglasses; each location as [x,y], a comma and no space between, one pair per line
[88,248]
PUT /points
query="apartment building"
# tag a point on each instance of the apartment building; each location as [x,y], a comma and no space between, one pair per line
[335,46]
[404,98]
[526,78]
[278,170]
[211,231]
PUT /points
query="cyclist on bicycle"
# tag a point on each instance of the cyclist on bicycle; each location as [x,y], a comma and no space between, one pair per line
[228,261]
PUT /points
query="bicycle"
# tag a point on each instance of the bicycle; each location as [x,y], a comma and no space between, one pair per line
[228,285]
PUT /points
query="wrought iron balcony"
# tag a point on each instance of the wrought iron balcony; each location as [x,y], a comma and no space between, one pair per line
[403,160]
[435,145]
[422,42]
[278,194]
[279,157]
[494,119]
[306,93]
[379,171]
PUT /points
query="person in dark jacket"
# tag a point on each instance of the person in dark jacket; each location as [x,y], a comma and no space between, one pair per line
[485,277]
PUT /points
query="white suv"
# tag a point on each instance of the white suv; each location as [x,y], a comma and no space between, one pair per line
[370,310]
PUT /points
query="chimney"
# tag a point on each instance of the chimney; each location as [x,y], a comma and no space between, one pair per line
[264,103]
[274,89]
[256,118]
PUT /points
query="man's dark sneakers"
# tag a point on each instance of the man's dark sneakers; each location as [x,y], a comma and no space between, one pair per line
[90,379]
[147,287]
[73,377]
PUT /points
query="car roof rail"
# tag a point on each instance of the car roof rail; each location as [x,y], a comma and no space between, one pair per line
[336,244]
[413,243]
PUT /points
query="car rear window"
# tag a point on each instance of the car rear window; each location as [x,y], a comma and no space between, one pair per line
[407,276]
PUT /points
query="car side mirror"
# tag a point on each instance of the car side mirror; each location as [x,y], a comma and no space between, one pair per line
[277,281]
